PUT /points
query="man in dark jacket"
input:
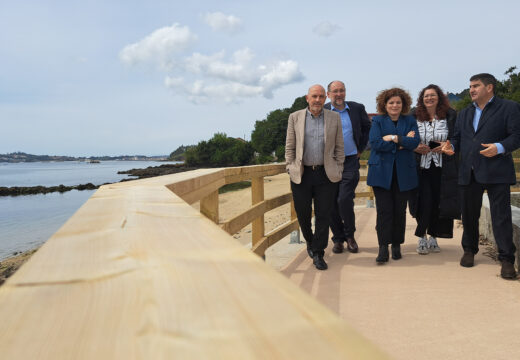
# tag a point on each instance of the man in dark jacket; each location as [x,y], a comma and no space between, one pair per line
[486,133]
[356,126]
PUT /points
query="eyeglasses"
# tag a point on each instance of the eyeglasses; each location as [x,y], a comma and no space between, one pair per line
[430,96]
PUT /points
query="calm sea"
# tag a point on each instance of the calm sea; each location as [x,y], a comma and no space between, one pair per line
[28,221]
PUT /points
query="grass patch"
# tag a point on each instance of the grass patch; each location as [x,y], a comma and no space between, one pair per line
[233,187]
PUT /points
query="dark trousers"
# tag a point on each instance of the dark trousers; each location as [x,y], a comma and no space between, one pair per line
[428,220]
[500,206]
[391,213]
[314,185]
[343,220]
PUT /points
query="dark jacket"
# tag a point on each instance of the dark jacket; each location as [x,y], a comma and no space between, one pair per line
[499,123]
[383,154]
[449,206]
[360,123]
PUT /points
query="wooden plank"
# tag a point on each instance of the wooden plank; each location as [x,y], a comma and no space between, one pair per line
[274,236]
[137,273]
[209,206]
[240,221]
[367,194]
[257,196]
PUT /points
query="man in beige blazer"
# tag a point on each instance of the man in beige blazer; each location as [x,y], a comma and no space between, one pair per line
[314,156]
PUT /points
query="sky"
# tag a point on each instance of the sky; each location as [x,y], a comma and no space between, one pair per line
[91,78]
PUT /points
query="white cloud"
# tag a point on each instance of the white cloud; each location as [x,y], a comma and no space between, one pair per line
[280,74]
[232,80]
[325,29]
[215,76]
[159,47]
[222,22]
[238,69]
[200,91]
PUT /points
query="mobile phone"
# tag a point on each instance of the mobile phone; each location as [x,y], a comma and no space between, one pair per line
[433,144]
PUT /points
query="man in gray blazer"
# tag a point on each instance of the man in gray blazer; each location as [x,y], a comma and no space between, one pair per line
[314,156]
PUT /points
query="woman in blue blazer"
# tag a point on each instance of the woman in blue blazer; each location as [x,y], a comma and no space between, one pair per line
[392,168]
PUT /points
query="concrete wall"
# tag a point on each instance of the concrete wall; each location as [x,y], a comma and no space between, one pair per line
[486,230]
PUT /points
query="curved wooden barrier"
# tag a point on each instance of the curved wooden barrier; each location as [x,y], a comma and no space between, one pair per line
[137,273]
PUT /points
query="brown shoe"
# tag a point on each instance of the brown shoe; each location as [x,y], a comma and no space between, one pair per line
[468,259]
[508,270]
[338,247]
[352,245]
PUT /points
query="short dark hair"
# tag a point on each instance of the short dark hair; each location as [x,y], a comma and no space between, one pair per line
[385,95]
[486,79]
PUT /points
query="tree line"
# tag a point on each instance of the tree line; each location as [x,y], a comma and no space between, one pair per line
[268,137]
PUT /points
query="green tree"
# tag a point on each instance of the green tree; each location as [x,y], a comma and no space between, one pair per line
[269,134]
[220,151]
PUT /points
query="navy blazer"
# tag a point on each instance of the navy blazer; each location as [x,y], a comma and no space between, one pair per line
[360,123]
[384,154]
[499,123]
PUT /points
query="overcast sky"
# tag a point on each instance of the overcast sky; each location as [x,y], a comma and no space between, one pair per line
[101,77]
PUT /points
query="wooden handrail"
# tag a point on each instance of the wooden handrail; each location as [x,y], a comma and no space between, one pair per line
[137,273]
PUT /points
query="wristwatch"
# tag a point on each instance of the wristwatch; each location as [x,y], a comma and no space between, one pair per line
[393,137]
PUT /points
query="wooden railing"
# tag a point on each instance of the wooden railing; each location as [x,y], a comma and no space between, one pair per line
[206,190]
[191,192]
[137,273]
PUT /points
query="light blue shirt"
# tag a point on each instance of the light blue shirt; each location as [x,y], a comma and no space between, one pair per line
[476,119]
[348,133]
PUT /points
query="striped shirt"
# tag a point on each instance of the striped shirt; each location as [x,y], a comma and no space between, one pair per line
[314,140]
[436,130]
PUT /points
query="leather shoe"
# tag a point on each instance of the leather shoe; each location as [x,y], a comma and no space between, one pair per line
[508,270]
[338,248]
[352,245]
[396,252]
[383,255]
[319,262]
[468,259]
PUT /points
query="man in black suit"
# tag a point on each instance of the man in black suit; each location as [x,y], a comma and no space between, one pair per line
[356,126]
[486,132]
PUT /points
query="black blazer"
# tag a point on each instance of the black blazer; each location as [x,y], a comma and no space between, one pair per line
[499,123]
[449,204]
[360,123]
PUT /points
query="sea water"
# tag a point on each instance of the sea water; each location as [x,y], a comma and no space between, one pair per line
[28,221]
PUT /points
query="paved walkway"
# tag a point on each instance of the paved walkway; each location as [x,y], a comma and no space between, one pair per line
[422,306]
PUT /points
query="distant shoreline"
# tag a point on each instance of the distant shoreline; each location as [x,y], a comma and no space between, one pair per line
[18,157]
[150,171]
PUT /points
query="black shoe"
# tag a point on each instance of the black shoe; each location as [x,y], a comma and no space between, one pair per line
[508,270]
[352,245]
[468,259]
[319,262]
[338,247]
[383,255]
[396,252]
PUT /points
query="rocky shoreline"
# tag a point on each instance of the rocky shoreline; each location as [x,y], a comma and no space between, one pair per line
[150,171]
[9,266]
[31,190]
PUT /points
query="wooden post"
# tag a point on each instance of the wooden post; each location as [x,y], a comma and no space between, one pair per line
[293,210]
[257,192]
[370,201]
[209,206]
